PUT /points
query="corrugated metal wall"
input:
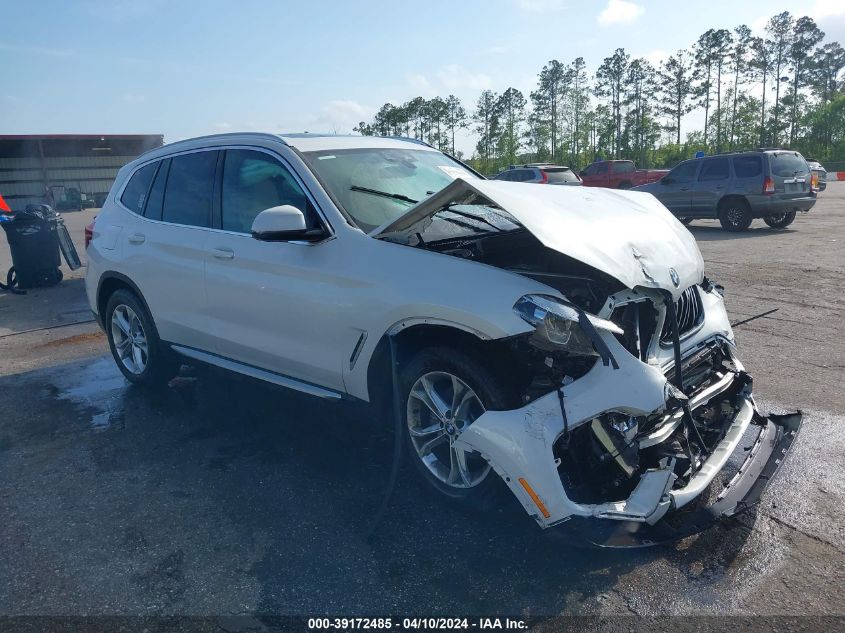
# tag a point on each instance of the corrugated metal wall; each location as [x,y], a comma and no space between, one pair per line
[29,166]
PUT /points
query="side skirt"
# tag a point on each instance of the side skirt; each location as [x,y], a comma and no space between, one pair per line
[256,372]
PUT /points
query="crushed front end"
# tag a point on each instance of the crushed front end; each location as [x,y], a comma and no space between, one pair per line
[613,438]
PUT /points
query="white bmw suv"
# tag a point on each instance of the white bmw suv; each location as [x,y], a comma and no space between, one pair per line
[562,340]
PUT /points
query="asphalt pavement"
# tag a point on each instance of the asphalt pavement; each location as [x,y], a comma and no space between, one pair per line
[228,497]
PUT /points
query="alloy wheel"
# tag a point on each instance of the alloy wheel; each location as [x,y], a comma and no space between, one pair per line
[130,340]
[440,407]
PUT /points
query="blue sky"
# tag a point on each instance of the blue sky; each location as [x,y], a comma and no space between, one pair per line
[190,68]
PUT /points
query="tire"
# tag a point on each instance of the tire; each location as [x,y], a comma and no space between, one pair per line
[686,221]
[477,485]
[734,214]
[782,221]
[625,185]
[134,342]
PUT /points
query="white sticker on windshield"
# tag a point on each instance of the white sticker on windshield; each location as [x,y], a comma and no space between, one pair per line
[454,172]
[326,157]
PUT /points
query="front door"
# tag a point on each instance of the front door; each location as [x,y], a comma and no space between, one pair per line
[712,183]
[674,190]
[272,305]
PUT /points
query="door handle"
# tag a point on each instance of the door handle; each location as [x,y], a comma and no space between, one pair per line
[223,253]
[137,238]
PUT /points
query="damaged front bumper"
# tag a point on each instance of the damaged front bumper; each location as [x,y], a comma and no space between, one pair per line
[520,446]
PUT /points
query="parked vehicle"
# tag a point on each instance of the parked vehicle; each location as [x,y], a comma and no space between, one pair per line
[618,174]
[540,173]
[819,172]
[737,188]
[561,340]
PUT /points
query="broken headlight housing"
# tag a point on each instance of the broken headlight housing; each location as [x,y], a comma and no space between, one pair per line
[561,325]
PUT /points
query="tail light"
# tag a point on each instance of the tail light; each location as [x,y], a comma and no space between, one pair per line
[768,185]
[814,181]
[89,232]
[545,177]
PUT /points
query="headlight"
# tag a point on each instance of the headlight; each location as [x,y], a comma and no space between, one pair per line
[560,324]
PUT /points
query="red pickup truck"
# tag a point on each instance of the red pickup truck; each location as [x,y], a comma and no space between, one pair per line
[618,174]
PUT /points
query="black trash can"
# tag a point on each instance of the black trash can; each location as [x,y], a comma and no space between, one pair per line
[34,244]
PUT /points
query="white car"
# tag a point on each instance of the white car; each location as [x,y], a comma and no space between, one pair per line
[563,340]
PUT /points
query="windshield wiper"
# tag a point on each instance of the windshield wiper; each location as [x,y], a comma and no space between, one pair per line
[384,194]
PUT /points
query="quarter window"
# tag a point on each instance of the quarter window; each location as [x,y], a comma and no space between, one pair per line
[714,169]
[254,181]
[748,166]
[134,196]
[187,198]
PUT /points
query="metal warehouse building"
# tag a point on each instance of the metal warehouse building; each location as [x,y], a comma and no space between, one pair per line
[67,171]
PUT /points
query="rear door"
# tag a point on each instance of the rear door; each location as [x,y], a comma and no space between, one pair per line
[712,183]
[748,175]
[166,251]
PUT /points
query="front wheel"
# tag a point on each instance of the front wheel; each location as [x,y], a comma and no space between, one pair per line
[134,341]
[444,391]
[780,221]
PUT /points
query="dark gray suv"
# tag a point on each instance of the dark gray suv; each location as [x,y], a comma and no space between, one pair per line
[738,187]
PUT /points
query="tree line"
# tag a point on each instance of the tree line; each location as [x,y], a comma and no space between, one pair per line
[784,89]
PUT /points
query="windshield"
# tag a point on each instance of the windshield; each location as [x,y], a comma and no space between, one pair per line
[377,185]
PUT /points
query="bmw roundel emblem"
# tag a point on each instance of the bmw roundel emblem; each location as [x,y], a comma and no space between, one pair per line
[673,275]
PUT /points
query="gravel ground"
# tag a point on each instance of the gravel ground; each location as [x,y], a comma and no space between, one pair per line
[229,497]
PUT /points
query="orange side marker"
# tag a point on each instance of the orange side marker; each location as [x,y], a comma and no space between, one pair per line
[534,498]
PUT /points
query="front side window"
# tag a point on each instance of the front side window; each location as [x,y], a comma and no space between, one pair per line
[601,168]
[134,196]
[377,185]
[715,169]
[252,182]
[684,172]
[190,183]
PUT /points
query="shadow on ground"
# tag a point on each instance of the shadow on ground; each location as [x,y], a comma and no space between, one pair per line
[230,496]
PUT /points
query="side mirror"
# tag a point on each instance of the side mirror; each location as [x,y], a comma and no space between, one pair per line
[666,180]
[283,224]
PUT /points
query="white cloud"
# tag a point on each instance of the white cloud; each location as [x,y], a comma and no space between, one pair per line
[540,6]
[827,9]
[452,78]
[619,12]
[341,116]
[456,77]
[656,57]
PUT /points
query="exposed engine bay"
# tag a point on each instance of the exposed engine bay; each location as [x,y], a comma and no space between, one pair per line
[632,397]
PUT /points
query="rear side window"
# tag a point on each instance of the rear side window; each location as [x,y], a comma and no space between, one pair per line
[714,169]
[788,164]
[187,198]
[135,194]
[560,175]
[255,181]
[748,166]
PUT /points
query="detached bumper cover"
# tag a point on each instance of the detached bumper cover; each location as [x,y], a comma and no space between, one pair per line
[742,493]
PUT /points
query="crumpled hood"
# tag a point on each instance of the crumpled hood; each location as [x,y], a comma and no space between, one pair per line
[628,235]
